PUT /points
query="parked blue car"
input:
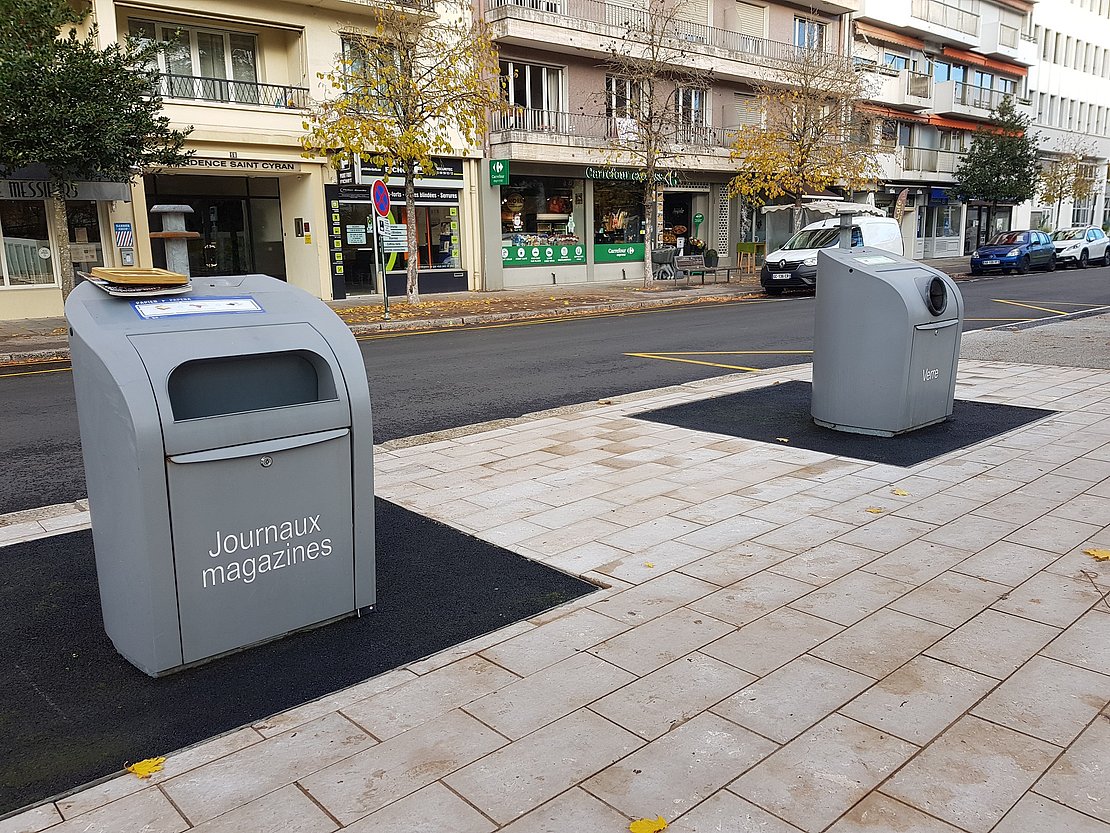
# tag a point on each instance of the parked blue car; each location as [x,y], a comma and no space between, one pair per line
[1015,251]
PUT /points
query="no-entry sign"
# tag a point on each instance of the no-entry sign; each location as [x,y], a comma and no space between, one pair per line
[380,194]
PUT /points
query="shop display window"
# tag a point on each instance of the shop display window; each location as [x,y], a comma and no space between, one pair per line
[28,258]
[538,223]
[618,212]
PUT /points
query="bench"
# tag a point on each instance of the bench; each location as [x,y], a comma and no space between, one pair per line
[688,265]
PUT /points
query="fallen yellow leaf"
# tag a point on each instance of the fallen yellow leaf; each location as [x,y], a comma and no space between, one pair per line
[649,565]
[875,510]
[900,492]
[648,825]
[783,439]
[1098,555]
[144,769]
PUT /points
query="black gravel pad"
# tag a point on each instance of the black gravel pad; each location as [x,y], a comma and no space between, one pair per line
[72,709]
[768,413]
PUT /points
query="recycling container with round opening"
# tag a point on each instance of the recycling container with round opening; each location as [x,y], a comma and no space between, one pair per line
[886,341]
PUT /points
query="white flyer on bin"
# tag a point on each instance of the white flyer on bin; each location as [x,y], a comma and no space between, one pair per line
[168,307]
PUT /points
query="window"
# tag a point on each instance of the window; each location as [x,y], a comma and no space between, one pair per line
[622,97]
[809,34]
[898,62]
[690,106]
[533,86]
[205,64]
[1083,209]
[26,235]
[361,58]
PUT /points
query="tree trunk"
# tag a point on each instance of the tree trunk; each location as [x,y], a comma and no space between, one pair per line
[412,288]
[649,228]
[61,234]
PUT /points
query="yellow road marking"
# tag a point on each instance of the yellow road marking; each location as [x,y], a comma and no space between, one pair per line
[730,353]
[1029,306]
[665,358]
[1019,320]
[34,372]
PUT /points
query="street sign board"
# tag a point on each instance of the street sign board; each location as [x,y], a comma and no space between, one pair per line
[379,193]
[499,172]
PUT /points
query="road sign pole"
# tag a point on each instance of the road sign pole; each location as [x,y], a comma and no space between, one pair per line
[379,261]
[379,194]
[385,280]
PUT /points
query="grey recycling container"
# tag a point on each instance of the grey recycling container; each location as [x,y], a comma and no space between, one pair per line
[227,442]
[886,341]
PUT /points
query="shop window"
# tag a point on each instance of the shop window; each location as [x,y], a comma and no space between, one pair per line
[437,238]
[538,222]
[26,237]
[619,230]
[205,64]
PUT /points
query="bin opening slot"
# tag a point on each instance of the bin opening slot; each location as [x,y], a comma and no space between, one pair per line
[240,384]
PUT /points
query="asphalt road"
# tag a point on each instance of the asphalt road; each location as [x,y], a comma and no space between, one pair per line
[432,381]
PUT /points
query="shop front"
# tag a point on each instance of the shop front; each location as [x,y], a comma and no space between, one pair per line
[570,224]
[356,265]
[30,284]
[984,222]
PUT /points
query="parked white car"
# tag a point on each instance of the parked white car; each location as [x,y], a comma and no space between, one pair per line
[1081,246]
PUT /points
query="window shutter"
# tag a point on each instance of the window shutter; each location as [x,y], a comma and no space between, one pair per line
[693,11]
[747,110]
[752,20]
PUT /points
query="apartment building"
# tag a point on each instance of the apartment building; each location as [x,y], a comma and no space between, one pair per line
[240,73]
[567,212]
[936,70]
[1070,88]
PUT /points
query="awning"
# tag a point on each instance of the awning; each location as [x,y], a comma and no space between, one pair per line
[829,207]
[891,113]
[987,63]
[955,124]
[886,36]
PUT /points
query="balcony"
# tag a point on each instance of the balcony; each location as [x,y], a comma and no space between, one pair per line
[590,27]
[1000,40]
[902,90]
[226,91]
[931,161]
[937,13]
[955,98]
[555,136]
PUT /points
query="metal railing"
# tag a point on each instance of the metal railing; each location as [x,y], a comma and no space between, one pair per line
[633,19]
[983,98]
[609,129]
[919,84]
[200,88]
[950,17]
[931,160]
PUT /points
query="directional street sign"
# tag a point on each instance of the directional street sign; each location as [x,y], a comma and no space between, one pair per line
[498,172]
[380,194]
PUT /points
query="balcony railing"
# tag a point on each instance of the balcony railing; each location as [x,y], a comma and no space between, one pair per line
[919,84]
[981,97]
[631,20]
[950,17]
[931,160]
[554,123]
[1008,35]
[199,88]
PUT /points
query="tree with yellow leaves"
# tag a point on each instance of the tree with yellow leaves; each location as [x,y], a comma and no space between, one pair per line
[1068,176]
[811,136]
[421,83]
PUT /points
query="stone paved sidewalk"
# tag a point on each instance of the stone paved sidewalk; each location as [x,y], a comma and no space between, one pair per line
[768,655]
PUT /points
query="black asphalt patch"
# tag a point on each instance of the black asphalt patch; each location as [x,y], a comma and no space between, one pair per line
[782,411]
[72,709]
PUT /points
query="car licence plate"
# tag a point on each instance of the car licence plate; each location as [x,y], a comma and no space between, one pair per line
[780,276]
[990,262]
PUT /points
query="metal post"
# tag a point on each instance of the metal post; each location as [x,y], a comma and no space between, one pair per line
[379,249]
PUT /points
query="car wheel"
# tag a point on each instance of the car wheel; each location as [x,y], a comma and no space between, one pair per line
[1052,263]
[1084,258]
[1106,257]
[773,290]
[975,271]
[1023,265]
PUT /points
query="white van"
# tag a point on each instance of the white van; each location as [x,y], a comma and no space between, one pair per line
[795,264]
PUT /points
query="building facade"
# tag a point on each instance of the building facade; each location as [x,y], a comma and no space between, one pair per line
[240,75]
[1070,88]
